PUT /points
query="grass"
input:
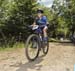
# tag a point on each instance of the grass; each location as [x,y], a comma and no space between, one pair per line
[59,41]
[52,40]
[21,45]
[12,47]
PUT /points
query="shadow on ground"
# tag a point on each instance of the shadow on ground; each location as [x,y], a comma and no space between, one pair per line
[30,65]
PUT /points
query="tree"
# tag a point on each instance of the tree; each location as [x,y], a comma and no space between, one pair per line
[13,16]
[63,12]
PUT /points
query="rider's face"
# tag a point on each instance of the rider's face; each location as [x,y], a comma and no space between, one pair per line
[39,15]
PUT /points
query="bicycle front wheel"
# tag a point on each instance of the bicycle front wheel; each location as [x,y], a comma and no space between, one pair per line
[45,47]
[32,47]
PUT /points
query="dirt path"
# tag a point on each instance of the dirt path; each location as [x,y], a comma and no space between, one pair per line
[61,57]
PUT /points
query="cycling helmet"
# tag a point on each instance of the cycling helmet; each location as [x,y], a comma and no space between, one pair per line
[40,11]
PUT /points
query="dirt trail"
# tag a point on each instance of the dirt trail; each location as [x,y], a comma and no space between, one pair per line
[61,57]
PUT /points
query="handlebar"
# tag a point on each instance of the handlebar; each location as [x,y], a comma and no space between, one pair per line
[34,26]
[37,25]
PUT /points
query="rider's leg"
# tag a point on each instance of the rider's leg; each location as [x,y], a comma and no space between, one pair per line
[45,33]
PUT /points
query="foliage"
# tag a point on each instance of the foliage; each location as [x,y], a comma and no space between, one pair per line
[64,13]
[13,16]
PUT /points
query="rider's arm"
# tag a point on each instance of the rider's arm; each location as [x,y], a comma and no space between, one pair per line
[45,20]
[34,23]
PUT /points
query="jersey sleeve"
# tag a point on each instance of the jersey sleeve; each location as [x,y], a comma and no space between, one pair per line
[45,19]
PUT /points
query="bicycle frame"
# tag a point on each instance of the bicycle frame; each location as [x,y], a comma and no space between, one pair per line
[36,37]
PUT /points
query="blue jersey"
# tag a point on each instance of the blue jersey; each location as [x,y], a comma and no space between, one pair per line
[42,21]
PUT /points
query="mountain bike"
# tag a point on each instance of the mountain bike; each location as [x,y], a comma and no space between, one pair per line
[35,43]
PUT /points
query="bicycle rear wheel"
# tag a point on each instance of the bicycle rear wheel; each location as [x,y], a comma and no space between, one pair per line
[45,47]
[32,47]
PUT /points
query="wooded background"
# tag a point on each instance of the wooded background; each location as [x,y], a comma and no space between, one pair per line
[16,14]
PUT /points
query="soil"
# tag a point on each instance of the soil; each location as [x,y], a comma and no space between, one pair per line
[61,57]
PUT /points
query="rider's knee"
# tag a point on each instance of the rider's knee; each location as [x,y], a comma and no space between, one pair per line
[44,29]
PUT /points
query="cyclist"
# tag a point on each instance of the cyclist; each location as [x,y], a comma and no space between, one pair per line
[41,20]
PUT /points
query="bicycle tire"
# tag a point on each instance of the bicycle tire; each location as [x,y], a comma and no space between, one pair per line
[46,48]
[27,43]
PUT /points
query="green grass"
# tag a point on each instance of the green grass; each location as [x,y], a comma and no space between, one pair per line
[21,45]
[15,46]
[53,40]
